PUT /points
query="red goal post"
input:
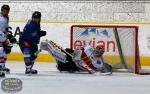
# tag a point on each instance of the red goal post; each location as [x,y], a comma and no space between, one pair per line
[120,43]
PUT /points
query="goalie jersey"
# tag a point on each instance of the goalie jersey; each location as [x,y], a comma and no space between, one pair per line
[85,58]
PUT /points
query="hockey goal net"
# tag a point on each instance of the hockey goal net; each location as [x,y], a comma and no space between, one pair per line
[120,43]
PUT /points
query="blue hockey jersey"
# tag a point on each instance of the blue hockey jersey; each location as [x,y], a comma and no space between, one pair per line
[30,33]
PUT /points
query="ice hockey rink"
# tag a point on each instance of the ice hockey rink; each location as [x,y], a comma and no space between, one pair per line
[58,19]
[51,81]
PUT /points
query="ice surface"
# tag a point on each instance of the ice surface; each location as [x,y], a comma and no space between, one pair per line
[50,81]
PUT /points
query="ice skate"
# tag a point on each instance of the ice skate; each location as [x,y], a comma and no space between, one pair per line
[31,71]
[2,73]
[6,70]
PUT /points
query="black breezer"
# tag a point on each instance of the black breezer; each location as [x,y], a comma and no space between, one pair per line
[70,65]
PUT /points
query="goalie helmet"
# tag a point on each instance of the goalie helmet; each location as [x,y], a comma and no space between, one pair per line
[100,47]
[36,14]
[99,51]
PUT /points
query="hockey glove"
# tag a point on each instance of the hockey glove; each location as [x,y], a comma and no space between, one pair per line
[11,38]
[42,33]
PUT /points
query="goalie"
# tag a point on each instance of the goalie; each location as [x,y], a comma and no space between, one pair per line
[86,58]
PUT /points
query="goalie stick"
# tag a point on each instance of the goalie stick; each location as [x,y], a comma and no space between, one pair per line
[60,48]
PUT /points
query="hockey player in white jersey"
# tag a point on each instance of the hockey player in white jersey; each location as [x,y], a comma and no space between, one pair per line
[5,48]
[85,58]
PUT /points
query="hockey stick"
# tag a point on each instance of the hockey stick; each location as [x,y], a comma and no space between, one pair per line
[54,44]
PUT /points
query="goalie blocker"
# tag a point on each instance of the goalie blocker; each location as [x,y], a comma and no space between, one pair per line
[86,58]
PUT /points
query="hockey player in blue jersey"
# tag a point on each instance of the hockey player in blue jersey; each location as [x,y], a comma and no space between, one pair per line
[29,41]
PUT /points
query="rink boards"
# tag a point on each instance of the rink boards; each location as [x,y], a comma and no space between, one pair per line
[59,32]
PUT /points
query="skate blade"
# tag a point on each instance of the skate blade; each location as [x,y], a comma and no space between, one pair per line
[30,74]
[2,76]
[7,72]
[106,73]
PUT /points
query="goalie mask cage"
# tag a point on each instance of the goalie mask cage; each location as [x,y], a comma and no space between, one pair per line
[120,44]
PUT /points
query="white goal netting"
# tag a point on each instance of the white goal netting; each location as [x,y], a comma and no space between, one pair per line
[120,43]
